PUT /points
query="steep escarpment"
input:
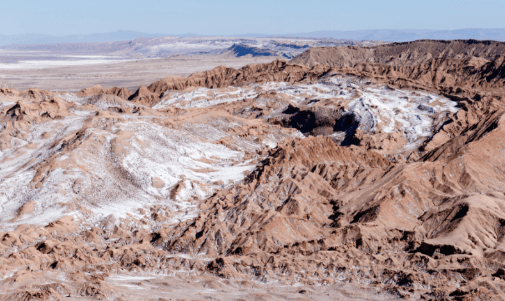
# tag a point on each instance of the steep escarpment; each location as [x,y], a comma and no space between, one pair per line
[239,50]
[452,74]
[451,64]
[219,77]
[277,71]
[404,54]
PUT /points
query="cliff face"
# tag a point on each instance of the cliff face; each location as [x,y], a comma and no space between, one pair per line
[381,168]
[401,54]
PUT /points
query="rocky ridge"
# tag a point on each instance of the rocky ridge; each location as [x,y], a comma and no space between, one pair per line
[376,168]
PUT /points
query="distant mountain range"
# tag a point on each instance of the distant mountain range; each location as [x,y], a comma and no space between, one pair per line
[121,35]
[392,35]
[403,35]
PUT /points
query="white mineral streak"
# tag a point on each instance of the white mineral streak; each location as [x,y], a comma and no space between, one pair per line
[110,174]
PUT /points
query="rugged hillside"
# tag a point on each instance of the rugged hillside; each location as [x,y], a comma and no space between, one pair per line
[239,50]
[373,175]
[434,64]
[161,47]
[401,54]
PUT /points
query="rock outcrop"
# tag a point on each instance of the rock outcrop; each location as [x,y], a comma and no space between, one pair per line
[377,167]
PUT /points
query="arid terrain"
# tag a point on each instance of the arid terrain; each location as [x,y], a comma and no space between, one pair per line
[345,173]
[130,64]
[125,73]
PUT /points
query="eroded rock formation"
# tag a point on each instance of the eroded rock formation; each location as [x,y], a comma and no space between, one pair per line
[380,167]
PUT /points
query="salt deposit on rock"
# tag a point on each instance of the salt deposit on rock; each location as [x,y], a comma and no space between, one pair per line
[365,180]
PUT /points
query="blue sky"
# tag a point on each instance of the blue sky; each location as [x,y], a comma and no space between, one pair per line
[225,17]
